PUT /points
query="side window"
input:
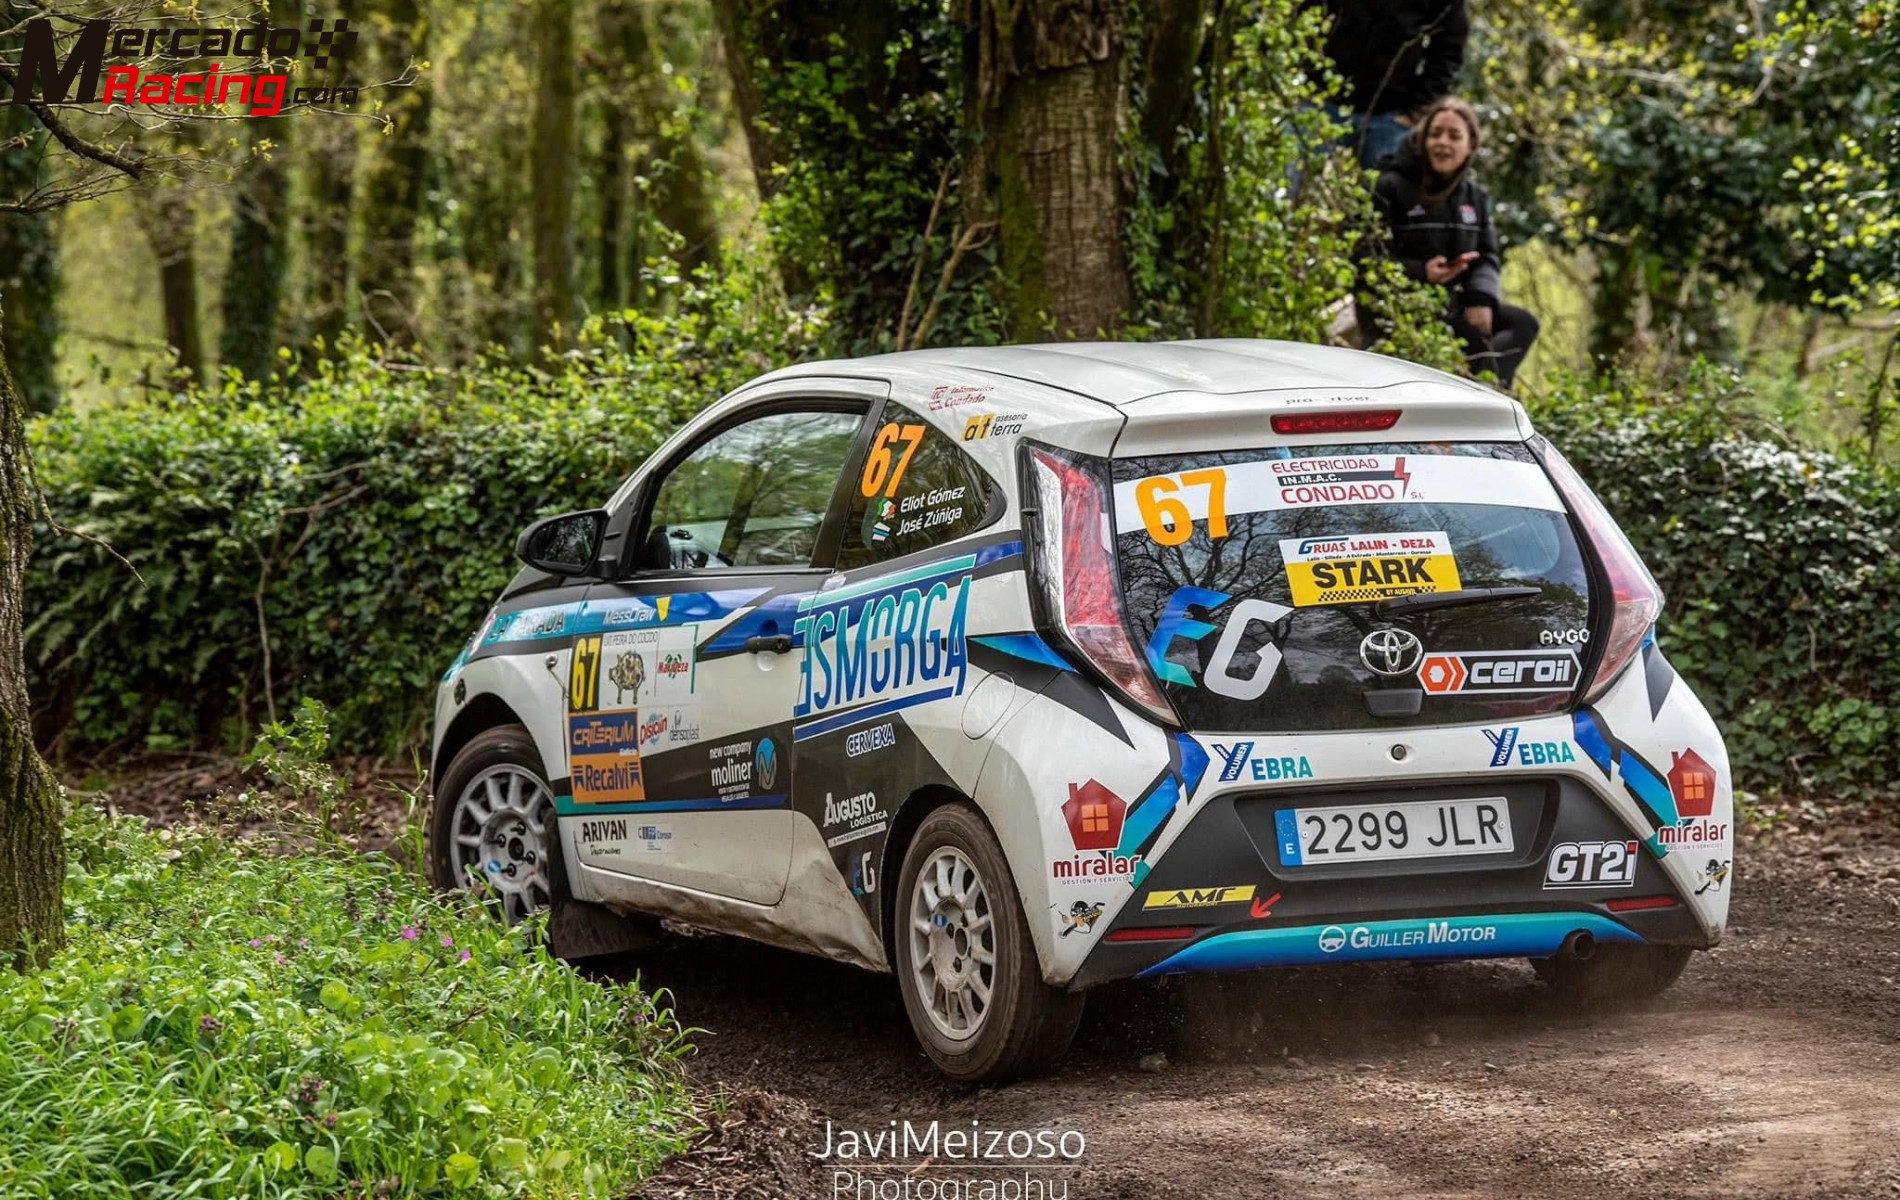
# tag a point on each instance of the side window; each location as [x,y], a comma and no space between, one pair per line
[917,489]
[753,495]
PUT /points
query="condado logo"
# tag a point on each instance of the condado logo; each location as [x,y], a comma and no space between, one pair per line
[263,91]
[882,645]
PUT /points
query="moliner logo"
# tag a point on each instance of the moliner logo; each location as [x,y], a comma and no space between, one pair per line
[262,91]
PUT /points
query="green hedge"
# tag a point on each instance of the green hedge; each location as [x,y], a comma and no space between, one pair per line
[348,529]
[1781,567]
[377,508]
[232,1023]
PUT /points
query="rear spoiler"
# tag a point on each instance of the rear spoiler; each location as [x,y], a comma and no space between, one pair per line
[1191,422]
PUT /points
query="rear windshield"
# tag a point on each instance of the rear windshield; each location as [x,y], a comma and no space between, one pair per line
[1250,577]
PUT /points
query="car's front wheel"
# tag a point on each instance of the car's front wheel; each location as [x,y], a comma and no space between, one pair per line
[1613,973]
[965,961]
[494,823]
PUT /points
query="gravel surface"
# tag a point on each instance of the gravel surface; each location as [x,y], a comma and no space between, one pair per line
[1771,1069]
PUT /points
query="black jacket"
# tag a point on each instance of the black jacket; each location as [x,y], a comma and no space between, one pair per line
[1395,55]
[1421,230]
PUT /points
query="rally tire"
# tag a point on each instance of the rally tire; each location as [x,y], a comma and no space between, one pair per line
[497,773]
[1615,974]
[1026,1024]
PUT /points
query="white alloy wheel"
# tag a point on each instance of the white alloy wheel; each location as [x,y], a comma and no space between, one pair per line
[498,833]
[953,944]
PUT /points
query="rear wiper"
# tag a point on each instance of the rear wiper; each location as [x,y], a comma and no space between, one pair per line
[1427,601]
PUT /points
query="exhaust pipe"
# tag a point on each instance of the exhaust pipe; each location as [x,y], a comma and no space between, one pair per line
[1579,946]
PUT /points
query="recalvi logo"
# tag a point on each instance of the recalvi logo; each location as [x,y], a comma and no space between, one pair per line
[265,91]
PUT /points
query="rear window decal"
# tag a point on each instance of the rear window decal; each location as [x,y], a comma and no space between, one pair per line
[1500,672]
[1164,515]
[1278,484]
[1373,566]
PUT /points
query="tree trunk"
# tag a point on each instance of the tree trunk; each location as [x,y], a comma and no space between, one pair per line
[682,181]
[393,187]
[1044,104]
[553,174]
[734,20]
[253,283]
[1614,305]
[610,168]
[329,149]
[32,811]
[29,267]
[170,220]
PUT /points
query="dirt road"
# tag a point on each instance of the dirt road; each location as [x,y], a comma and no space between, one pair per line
[1772,1069]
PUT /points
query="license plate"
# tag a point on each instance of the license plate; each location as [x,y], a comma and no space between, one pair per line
[1311,837]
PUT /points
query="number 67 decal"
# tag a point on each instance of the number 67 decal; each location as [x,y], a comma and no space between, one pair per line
[1167,519]
[879,473]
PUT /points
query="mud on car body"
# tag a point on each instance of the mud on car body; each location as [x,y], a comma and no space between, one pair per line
[1014,671]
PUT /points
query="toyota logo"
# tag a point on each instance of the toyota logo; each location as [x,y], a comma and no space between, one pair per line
[1391,651]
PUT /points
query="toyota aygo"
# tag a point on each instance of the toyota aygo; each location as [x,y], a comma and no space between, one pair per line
[1013,671]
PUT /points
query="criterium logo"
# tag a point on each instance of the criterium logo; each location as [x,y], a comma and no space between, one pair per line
[254,85]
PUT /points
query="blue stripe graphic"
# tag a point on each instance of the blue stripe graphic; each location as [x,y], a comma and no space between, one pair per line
[1027,646]
[1505,935]
[566,806]
[812,729]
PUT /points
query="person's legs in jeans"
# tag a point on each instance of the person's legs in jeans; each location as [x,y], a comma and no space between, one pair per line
[1513,332]
[1377,136]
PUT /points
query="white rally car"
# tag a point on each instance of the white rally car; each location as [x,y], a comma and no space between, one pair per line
[1012,671]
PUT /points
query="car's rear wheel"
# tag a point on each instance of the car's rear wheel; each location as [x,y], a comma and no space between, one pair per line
[494,823]
[965,961]
[1613,973]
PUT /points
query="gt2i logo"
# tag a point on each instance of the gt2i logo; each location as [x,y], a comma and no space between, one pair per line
[1222,675]
[1505,746]
[1591,865]
[993,425]
[892,642]
[1268,769]
[1350,570]
[1167,519]
[1500,672]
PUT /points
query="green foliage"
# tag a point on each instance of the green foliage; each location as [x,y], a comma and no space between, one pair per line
[338,537]
[1782,571]
[1282,254]
[227,1023]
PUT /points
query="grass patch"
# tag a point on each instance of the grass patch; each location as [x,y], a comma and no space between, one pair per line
[233,1023]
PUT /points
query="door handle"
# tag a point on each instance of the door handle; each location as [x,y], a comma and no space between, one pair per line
[780,643]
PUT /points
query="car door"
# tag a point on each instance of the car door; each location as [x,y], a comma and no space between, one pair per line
[680,693]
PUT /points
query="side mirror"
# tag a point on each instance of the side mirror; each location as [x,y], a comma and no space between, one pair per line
[563,545]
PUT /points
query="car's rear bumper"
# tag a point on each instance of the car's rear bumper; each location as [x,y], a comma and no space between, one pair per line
[1222,897]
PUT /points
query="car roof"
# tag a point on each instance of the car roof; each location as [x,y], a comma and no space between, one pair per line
[1121,373]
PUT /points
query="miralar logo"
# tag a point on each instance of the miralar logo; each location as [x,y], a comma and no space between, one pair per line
[263,91]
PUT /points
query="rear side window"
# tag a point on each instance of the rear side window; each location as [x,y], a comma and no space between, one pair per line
[916,490]
[1251,578]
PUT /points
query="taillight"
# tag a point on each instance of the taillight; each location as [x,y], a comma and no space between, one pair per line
[1073,561]
[1635,598]
[1347,422]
